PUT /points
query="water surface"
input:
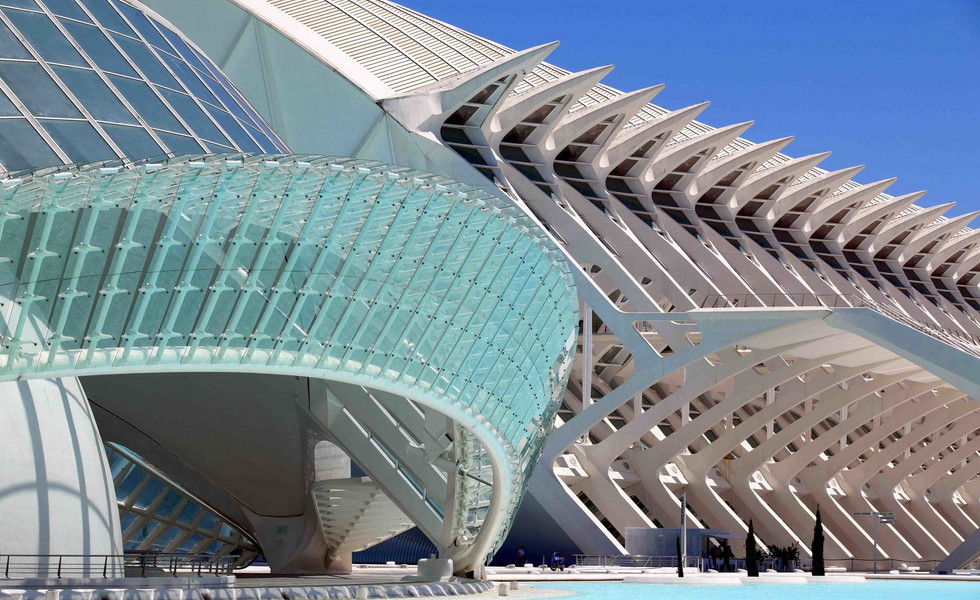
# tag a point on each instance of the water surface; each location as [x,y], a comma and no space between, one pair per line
[873,590]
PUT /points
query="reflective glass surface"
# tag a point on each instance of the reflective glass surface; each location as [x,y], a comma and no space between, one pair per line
[102,65]
[157,515]
[335,268]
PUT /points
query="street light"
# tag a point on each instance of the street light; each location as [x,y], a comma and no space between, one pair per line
[884,518]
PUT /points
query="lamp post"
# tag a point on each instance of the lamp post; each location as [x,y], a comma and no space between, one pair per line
[883,518]
[684,528]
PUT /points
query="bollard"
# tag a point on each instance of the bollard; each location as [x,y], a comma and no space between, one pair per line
[502,590]
[513,585]
[362,592]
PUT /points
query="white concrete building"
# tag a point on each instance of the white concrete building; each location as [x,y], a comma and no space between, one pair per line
[333,228]
[758,332]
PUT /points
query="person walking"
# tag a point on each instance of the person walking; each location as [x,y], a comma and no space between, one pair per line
[521,556]
[714,557]
[727,556]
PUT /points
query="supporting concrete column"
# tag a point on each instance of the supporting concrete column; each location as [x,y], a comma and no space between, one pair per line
[586,356]
[331,462]
[770,424]
[56,492]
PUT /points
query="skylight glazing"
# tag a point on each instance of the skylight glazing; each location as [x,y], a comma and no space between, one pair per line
[88,80]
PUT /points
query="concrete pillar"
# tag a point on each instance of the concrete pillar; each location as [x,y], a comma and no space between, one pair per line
[586,356]
[330,462]
[56,491]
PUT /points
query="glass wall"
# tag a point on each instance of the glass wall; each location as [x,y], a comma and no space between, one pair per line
[88,80]
[159,516]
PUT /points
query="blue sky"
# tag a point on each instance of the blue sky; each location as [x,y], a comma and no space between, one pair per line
[891,85]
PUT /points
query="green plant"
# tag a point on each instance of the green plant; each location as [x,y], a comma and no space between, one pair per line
[818,564]
[785,554]
[750,552]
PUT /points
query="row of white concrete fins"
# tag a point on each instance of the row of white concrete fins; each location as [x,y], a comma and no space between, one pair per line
[610,146]
[805,424]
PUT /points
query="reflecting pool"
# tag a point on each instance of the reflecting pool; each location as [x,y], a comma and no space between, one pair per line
[873,590]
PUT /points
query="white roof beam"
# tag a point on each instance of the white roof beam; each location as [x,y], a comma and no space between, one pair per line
[753,155]
[929,234]
[907,222]
[951,247]
[673,156]
[882,210]
[821,186]
[717,170]
[761,180]
[427,108]
[632,139]
[834,204]
[518,107]
[571,126]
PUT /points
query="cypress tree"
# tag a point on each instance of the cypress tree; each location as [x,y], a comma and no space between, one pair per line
[818,566]
[751,565]
[680,565]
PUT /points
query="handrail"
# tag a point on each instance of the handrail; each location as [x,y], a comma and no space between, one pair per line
[134,564]
[701,562]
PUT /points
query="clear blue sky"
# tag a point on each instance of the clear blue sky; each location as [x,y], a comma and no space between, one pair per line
[891,85]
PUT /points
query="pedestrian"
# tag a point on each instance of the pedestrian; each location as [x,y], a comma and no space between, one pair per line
[521,556]
[714,557]
[727,555]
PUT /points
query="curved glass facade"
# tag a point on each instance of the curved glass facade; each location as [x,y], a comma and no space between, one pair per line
[89,80]
[340,269]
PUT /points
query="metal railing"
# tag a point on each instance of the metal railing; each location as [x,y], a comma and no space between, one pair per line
[635,561]
[142,564]
[867,565]
[956,338]
[851,564]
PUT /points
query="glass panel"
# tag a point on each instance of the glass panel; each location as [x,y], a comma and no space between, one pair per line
[132,480]
[146,62]
[169,502]
[49,42]
[180,144]
[107,16]
[208,521]
[134,142]
[162,542]
[150,107]
[21,4]
[260,138]
[7,108]
[191,543]
[10,46]
[226,98]
[217,149]
[194,116]
[183,50]
[143,26]
[232,128]
[98,47]
[189,512]
[42,96]
[67,8]
[79,140]
[189,78]
[149,493]
[21,147]
[95,95]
